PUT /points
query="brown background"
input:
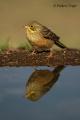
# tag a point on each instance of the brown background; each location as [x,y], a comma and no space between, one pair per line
[14,14]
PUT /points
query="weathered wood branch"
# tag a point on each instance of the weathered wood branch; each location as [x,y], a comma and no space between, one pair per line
[25,58]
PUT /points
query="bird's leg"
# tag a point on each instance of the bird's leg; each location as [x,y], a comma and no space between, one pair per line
[50,54]
[33,52]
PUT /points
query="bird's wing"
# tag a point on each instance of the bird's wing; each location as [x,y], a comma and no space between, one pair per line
[48,34]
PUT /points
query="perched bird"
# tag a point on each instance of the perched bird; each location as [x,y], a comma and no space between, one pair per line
[40,82]
[41,37]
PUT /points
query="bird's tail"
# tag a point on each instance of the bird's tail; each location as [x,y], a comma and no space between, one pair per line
[58,69]
[58,43]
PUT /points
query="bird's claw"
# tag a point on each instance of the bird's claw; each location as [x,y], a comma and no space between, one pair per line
[50,55]
[33,52]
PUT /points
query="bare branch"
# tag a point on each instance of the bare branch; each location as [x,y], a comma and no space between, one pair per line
[25,58]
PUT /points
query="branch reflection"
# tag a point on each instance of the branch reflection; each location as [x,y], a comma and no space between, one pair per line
[40,82]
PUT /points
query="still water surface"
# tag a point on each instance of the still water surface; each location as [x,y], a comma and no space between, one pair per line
[61,102]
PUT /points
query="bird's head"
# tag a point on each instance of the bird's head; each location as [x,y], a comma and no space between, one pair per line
[33,92]
[33,29]
[33,26]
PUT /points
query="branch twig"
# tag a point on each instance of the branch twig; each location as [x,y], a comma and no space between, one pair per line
[25,58]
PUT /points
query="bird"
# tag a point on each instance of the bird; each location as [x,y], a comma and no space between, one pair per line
[41,37]
[40,82]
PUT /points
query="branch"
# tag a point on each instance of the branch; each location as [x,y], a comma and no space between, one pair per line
[25,58]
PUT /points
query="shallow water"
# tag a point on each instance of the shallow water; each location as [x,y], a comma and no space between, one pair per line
[61,102]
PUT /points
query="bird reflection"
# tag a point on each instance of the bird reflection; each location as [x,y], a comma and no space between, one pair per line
[40,82]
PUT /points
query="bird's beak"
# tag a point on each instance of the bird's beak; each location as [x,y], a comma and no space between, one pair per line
[26,26]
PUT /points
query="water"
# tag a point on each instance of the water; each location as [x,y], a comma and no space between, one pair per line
[61,102]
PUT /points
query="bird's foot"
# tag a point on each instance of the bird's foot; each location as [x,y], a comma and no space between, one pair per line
[33,52]
[50,55]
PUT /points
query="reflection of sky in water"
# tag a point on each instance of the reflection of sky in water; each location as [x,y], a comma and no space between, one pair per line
[62,102]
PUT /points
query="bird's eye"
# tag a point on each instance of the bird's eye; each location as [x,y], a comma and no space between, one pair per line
[32,28]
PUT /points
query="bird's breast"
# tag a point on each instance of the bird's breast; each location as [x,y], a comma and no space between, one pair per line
[33,37]
[39,40]
[44,43]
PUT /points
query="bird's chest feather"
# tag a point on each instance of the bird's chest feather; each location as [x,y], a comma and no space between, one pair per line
[33,37]
[39,40]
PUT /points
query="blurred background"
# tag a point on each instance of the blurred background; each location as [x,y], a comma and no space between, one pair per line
[64,21]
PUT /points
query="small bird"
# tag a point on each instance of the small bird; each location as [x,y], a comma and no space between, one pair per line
[40,82]
[42,37]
